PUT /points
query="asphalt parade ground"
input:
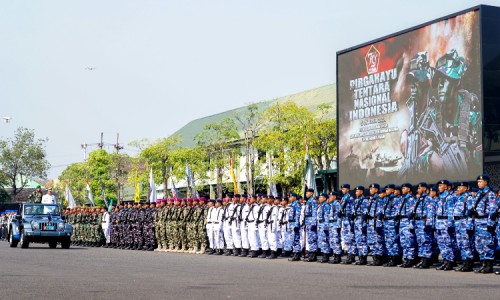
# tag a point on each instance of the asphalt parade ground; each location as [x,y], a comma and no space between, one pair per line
[97,273]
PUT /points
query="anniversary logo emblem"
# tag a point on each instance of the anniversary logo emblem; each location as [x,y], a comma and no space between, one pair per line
[409,106]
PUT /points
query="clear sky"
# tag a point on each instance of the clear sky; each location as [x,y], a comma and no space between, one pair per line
[160,64]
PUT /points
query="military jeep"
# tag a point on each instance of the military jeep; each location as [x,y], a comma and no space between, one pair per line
[42,223]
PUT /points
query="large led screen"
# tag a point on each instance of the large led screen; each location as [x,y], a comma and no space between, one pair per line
[410,106]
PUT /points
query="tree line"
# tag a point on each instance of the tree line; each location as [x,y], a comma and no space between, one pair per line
[276,137]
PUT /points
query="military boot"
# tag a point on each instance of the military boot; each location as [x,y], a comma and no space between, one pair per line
[486,268]
[425,263]
[350,260]
[272,255]
[236,252]
[325,258]
[466,267]
[253,254]
[337,258]
[264,254]
[228,252]
[449,266]
[408,263]
[244,253]
[295,257]
[362,261]
[211,252]
[392,262]
[312,257]
[443,265]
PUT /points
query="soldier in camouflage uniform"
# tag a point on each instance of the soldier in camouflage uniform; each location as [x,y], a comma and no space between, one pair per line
[173,224]
[186,207]
[168,225]
[201,233]
[191,228]
[159,220]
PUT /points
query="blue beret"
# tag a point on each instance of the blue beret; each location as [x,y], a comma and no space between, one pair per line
[390,186]
[324,195]
[359,188]
[310,190]
[334,194]
[444,181]
[293,194]
[433,189]
[407,185]
[463,183]
[483,177]
[397,188]
[345,186]
[423,184]
[375,185]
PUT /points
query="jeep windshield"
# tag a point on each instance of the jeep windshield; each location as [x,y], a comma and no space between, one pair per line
[41,209]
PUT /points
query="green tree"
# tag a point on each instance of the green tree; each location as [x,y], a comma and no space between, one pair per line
[217,141]
[158,155]
[283,139]
[100,165]
[23,158]
[197,160]
[251,125]
[74,176]
[322,137]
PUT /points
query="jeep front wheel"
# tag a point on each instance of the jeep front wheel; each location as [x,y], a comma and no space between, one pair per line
[12,241]
[66,244]
[23,241]
[52,245]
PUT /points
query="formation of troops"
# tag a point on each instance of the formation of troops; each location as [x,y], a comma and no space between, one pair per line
[406,226]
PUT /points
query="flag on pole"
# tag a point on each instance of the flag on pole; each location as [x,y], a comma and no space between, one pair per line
[103,193]
[89,192]
[110,204]
[152,187]
[137,192]
[69,198]
[309,176]
[272,186]
[173,189]
[191,181]
[231,171]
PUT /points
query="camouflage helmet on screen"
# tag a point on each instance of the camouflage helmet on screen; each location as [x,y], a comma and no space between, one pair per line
[451,66]
[420,69]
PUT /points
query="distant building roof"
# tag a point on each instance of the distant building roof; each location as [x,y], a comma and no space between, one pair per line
[310,99]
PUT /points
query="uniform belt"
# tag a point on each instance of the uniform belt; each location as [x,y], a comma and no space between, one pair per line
[442,217]
[209,222]
[251,221]
[420,218]
[321,222]
[389,218]
[370,217]
[216,222]
[308,216]
[403,217]
[481,217]
[456,218]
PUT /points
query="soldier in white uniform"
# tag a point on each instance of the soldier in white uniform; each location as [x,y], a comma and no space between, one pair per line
[253,227]
[272,227]
[217,227]
[235,225]
[49,198]
[244,211]
[211,219]
[261,221]
[226,226]
[105,227]
[283,228]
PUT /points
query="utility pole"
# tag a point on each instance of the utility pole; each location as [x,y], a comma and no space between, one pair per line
[101,144]
[84,147]
[118,147]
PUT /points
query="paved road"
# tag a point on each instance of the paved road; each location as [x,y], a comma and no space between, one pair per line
[96,273]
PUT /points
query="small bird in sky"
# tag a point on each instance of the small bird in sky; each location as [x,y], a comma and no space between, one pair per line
[7,119]
[90,68]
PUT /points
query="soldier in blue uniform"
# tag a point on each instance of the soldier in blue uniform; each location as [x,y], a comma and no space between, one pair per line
[346,213]
[407,227]
[484,214]
[388,215]
[293,215]
[424,213]
[375,226]
[334,227]
[310,220]
[464,226]
[323,230]
[444,225]
[360,224]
